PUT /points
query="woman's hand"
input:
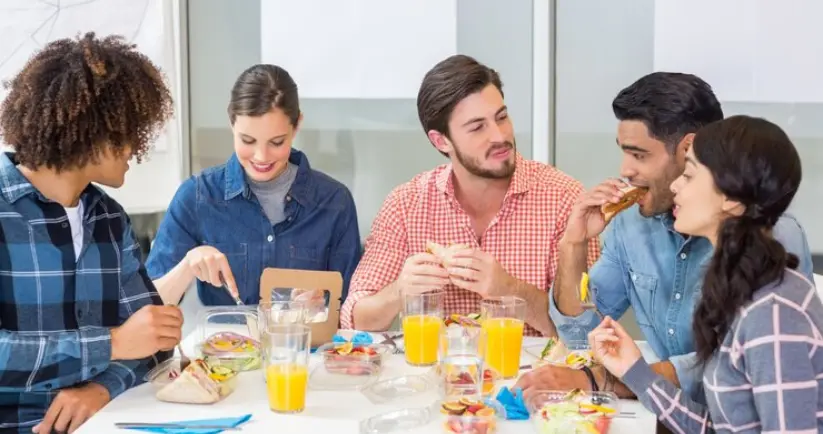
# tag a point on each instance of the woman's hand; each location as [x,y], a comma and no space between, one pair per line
[207,264]
[613,347]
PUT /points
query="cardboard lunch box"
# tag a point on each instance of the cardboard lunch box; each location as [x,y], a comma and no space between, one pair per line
[331,281]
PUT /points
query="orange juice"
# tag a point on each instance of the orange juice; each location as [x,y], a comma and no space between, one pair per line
[286,386]
[504,341]
[421,334]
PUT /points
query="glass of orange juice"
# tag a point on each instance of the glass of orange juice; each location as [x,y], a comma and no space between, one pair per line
[422,319]
[503,320]
[286,349]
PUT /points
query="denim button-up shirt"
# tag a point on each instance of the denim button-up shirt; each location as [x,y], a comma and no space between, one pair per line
[645,264]
[217,208]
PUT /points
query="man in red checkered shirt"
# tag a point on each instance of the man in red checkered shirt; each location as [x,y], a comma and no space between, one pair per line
[509,211]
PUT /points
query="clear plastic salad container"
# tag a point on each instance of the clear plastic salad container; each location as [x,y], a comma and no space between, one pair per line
[229,338]
[576,411]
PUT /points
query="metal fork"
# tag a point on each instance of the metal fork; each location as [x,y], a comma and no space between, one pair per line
[390,340]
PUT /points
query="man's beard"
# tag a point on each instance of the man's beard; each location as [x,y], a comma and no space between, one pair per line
[662,198]
[474,166]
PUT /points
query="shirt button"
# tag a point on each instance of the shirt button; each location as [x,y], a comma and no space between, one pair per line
[270,238]
[288,219]
[671,331]
[79,313]
[677,296]
[48,386]
[65,225]
[634,277]
[682,256]
[93,370]
[288,198]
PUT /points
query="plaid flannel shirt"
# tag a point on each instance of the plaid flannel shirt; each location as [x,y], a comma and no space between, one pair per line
[56,310]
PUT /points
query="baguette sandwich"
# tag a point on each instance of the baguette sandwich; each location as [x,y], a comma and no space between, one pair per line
[630,197]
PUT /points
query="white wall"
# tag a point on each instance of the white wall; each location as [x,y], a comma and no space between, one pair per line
[370,145]
[603,46]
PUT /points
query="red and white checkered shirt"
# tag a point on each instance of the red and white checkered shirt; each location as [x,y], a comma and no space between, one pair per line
[522,237]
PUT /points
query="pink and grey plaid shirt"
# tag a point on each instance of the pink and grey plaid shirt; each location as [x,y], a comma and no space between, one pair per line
[522,237]
[766,377]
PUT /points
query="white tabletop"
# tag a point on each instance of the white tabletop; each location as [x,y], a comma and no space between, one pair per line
[340,411]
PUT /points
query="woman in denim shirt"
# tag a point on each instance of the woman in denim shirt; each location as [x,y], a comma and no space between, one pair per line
[265,207]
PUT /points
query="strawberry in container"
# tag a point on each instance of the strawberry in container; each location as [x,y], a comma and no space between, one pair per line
[467,416]
[575,412]
[352,358]
[464,381]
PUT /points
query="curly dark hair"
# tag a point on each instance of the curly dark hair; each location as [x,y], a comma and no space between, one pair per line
[77,97]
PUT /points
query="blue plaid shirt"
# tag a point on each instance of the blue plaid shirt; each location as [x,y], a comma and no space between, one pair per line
[55,309]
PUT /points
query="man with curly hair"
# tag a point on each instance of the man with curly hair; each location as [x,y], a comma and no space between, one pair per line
[80,321]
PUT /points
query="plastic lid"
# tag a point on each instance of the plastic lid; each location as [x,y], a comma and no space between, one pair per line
[396,421]
[397,388]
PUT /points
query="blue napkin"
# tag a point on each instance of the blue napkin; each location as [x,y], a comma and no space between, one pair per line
[359,338]
[513,403]
[228,422]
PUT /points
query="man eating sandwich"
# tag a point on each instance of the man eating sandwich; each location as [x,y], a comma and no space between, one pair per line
[645,263]
[495,216]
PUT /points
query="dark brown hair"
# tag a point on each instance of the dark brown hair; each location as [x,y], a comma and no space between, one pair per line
[752,161]
[670,104]
[262,88]
[448,83]
[76,97]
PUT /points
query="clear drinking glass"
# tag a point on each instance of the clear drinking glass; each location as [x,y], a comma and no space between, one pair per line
[503,320]
[281,312]
[286,354]
[461,362]
[422,320]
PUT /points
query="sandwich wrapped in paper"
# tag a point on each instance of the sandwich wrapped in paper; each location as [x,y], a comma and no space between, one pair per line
[198,383]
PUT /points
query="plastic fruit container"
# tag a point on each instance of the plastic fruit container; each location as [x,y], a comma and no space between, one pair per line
[560,412]
[352,359]
[466,416]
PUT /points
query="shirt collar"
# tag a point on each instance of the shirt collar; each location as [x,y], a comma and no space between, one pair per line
[15,186]
[300,191]
[520,183]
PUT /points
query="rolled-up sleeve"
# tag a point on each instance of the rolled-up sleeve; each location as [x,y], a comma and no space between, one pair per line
[606,278]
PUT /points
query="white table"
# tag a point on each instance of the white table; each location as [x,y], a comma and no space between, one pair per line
[326,411]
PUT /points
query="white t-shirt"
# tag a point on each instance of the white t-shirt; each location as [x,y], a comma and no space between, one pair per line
[75,216]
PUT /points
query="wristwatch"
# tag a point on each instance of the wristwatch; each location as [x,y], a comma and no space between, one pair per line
[590,374]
